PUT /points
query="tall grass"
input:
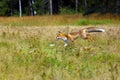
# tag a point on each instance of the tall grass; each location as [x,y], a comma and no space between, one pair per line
[92,22]
[58,20]
[26,54]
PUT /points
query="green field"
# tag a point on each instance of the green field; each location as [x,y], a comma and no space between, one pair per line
[26,54]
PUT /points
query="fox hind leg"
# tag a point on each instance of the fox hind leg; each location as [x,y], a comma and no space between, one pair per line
[90,39]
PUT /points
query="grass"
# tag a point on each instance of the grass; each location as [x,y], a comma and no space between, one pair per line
[92,22]
[59,20]
[25,53]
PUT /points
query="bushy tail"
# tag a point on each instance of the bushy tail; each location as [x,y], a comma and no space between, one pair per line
[96,30]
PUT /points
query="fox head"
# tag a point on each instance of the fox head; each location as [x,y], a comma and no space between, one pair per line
[60,35]
[63,37]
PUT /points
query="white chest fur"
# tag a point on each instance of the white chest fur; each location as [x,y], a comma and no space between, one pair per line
[65,39]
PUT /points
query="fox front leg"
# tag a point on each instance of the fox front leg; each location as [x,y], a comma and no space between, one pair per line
[65,44]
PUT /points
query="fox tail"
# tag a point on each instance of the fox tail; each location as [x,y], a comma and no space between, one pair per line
[96,30]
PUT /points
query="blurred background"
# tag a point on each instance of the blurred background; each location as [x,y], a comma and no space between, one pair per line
[45,7]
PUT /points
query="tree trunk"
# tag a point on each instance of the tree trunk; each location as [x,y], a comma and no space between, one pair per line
[106,5]
[51,9]
[11,9]
[118,6]
[20,8]
[33,10]
[76,5]
[85,2]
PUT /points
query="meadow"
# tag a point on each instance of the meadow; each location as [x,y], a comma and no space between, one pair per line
[26,54]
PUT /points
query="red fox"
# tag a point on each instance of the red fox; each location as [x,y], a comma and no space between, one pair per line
[83,33]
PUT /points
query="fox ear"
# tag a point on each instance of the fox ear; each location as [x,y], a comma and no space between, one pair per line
[59,31]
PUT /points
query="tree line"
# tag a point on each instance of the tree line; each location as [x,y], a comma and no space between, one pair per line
[43,7]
